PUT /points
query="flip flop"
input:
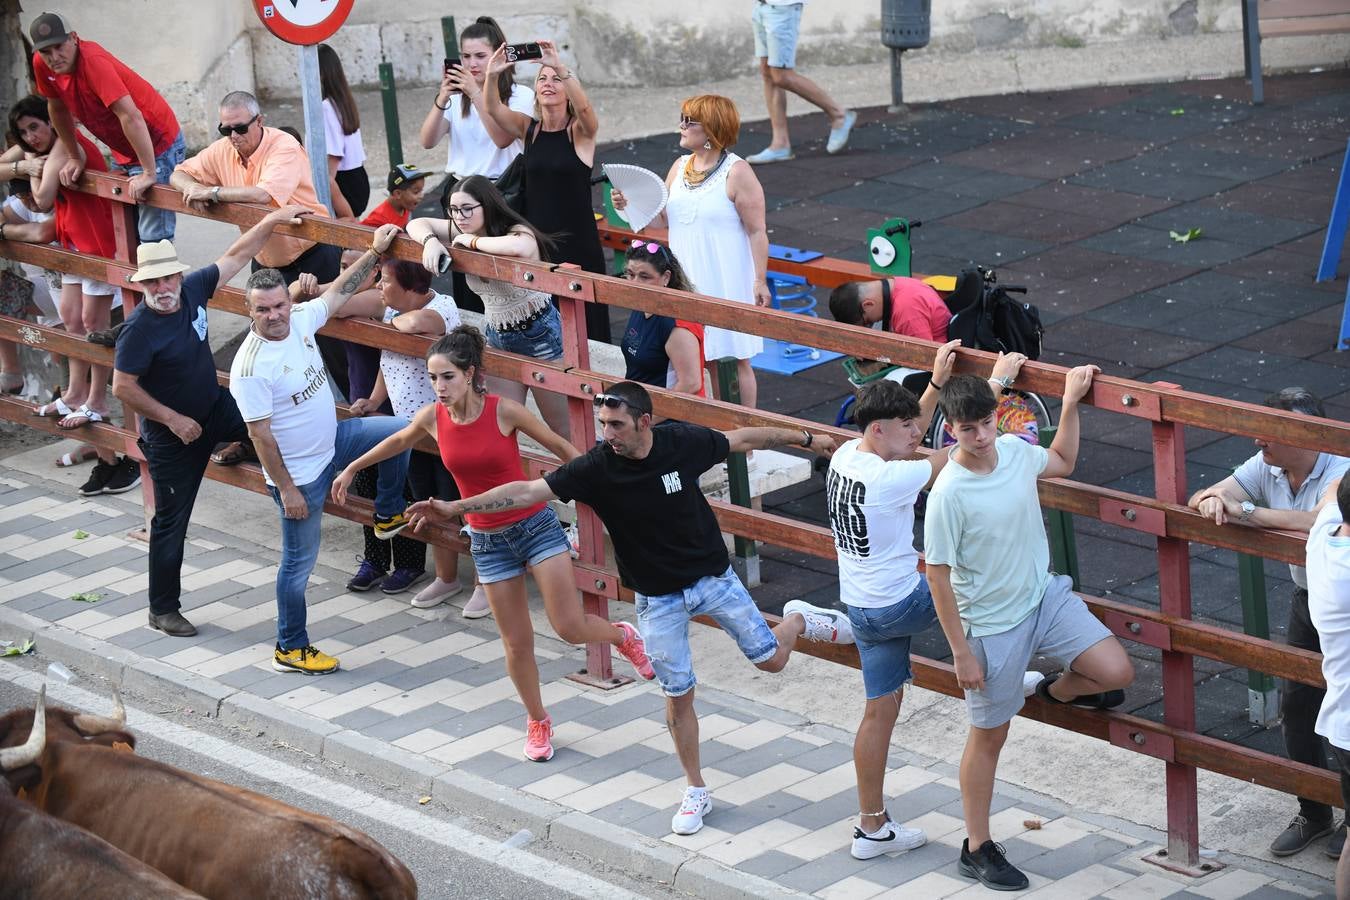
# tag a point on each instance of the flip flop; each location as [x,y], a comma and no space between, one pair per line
[234,453]
[56,408]
[88,415]
[82,455]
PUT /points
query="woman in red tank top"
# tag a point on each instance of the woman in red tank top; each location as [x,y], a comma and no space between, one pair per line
[477,435]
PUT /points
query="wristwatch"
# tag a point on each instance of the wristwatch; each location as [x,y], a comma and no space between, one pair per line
[1248,510]
[1005,382]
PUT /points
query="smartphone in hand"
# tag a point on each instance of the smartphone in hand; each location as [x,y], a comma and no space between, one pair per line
[452,62]
[523,52]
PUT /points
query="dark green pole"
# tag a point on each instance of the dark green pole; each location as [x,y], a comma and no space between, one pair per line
[1063,545]
[746,560]
[1263,697]
[389,94]
[450,36]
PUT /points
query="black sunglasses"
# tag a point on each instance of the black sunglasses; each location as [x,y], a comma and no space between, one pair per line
[613,401]
[237,129]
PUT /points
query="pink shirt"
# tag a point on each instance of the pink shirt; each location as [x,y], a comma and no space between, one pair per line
[917,310]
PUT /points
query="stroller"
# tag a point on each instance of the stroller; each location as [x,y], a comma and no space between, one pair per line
[984,317]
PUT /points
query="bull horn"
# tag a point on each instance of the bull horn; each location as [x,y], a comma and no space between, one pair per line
[90,724]
[12,758]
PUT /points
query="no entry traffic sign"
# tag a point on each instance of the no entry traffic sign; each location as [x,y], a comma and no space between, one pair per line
[303,21]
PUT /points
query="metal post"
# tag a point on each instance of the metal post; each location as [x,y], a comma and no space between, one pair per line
[746,559]
[316,143]
[389,95]
[1174,588]
[1263,695]
[450,36]
[897,89]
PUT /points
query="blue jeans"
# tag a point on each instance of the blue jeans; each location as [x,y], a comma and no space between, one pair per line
[664,622]
[883,635]
[156,224]
[300,537]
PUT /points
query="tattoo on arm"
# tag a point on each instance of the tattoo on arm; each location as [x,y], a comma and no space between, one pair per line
[491,505]
[360,270]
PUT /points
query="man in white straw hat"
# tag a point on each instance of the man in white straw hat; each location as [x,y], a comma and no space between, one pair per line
[163,370]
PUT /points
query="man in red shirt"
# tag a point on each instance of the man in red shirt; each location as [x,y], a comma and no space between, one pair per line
[86,84]
[405,192]
[905,305]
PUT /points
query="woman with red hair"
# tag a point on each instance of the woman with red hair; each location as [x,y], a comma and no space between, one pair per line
[716,219]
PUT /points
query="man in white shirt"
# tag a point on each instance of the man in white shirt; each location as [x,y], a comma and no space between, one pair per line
[1278,487]
[1329,604]
[282,388]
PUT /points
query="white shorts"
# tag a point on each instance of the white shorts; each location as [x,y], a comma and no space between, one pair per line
[92,287]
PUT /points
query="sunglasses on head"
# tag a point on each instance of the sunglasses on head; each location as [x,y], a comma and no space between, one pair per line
[613,401]
[651,247]
[225,130]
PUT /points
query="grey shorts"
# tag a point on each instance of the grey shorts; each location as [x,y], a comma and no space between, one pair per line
[1060,628]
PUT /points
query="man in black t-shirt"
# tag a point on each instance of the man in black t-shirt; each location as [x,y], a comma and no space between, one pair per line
[163,370]
[642,482]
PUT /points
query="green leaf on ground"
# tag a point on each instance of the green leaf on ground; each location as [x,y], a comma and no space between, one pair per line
[81,535]
[87,597]
[1178,111]
[1184,237]
[20,650]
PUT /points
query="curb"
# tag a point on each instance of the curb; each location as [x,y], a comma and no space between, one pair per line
[613,846]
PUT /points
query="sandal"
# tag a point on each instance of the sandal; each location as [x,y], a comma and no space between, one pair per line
[56,408]
[234,453]
[83,455]
[81,417]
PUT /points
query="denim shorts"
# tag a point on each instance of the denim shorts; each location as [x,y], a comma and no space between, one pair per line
[776,29]
[1061,627]
[664,622]
[502,555]
[541,340]
[883,634]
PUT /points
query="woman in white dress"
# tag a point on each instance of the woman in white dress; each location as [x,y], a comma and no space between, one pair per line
[716,219]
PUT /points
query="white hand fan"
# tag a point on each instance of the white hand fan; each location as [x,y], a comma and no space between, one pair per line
[644,190]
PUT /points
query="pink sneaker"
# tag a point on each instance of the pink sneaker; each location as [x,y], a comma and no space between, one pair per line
[538,747]
[634,649]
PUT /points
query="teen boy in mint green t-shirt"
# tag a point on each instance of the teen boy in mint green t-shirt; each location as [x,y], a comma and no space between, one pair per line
[988,565]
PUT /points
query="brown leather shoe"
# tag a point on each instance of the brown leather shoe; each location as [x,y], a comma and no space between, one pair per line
[172,623]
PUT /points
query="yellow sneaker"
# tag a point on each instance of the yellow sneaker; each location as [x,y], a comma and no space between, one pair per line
[386,528]
[305,660]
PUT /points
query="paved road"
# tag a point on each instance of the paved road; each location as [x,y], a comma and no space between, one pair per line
[450,855]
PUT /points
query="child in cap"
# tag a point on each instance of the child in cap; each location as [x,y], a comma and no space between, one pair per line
[405,192]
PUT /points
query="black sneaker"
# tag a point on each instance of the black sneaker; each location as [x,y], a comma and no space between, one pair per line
[126,474]
[1104,700]
[991,868]
[1299,834]
[98,479]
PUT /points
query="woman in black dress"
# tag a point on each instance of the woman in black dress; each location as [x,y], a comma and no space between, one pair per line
[559,154]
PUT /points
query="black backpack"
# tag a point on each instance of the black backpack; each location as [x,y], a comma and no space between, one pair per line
[986,317]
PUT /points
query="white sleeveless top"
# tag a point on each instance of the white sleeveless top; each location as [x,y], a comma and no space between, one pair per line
[707,237]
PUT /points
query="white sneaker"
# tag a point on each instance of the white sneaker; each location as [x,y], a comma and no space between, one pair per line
[696,804]
[1029,682]
[829,626]
[436,593]
[477,607]
[889,838]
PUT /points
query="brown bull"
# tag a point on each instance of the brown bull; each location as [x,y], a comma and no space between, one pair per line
[44,858]
[222,841]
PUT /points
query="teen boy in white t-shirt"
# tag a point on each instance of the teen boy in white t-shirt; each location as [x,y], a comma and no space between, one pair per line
[988,566]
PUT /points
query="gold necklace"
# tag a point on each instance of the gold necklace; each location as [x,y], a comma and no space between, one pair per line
[693,177]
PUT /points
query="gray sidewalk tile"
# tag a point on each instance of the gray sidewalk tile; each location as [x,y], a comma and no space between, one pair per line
[639,706]
[480,673]
[769,865]
[997,804]
[489,765]
[48,563]
[245,678]
[834,809]
[1079,854]
[224,641]
[445,667]
[362,719]
[276,683]
[136,637]
[359,635]
[204,596]
[828,869]
[822,759]
[395,727]
[925,798]
[757,812]
[633,758]
[625,812]
[898,868]
[345,680]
